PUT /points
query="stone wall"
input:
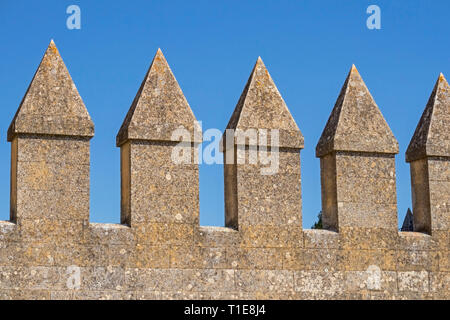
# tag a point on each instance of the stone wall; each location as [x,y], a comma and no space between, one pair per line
[50,250]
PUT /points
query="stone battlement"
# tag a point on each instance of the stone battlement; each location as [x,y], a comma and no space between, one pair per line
[50,250]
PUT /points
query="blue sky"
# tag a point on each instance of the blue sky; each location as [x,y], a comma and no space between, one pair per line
[211,46]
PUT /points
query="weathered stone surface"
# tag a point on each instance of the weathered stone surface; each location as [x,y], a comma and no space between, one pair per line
[355,260]
[108,233]
[164,233]
[52,104]
[360,165]
[440,282]
[357,163]
[50,250]
[155,187]
[293,258]
[429,157]
[262,107]
[264,280]
[255,258]
[374,281]
[356,123]
[432,135]
[323,260]
[320,282]
[321,239]
[158,108]
[271,236]
[70,150]
[49,231]
[216,237]
[416,241]
[417,260]
[357,214]
[8,232]
[416,281]
[367,238]
[254,192]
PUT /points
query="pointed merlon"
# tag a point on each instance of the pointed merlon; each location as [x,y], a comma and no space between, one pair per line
[408,223]
[262,107]
[432,135]
[52,104]
[356,123]
[159,108]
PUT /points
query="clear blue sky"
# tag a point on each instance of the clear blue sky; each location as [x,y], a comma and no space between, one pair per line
[211,46]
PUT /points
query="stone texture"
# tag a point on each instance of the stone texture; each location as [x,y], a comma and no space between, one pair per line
[413,281]
[158,108]
[321,239]
[429,156]
[252,198]
[49,138]
[262,107]
[153,187]
[432,135]
[356,123]
[52,104]
[357,163]
[50,250]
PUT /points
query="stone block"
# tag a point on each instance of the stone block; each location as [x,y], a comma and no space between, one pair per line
[163,233]
[358,214]
[255,258]
[324,260]
[320,282]
[440,282]
[110,234]
[357,260]
[216,237]
[271,236]
[264,280]
[53,150]
[52,176]
[266,211]
[103,278]
[162,181]
[52,231]
[317,238]
[278,186]
[367,238]
[373,281]
[165,208]
[53,204]
[362,165]
[417,260]
[413,281]
[8,232]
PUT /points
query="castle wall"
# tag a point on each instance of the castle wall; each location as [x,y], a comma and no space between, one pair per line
[50,250]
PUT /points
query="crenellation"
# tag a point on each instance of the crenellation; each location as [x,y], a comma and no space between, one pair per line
[320,239]
[154,188]
[50,250]
[357,154]
[428,154]
[253,196]
[8,231]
